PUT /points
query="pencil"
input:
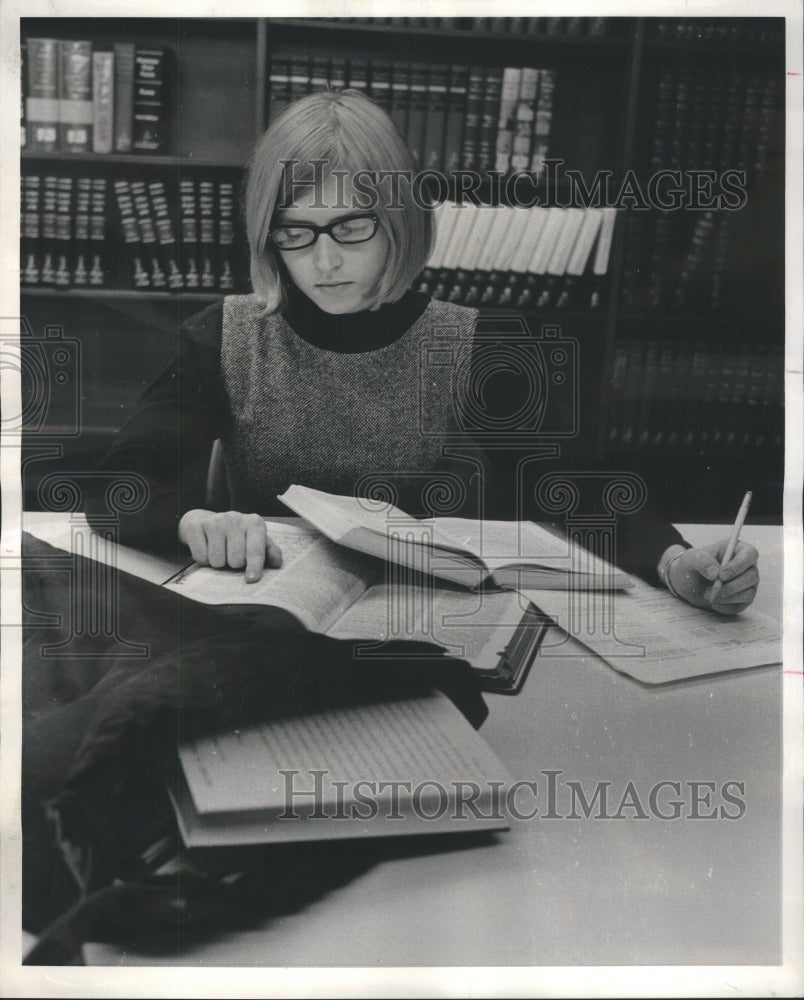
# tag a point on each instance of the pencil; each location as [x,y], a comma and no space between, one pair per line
[731,544]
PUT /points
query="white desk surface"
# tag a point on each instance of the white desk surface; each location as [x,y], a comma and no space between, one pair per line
[569,891]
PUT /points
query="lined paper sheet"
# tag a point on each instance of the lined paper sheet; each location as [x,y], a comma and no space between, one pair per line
[656,638]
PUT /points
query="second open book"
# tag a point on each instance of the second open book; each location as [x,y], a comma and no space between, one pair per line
[473,553]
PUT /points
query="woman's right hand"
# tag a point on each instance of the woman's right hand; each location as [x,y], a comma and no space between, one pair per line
[229,539]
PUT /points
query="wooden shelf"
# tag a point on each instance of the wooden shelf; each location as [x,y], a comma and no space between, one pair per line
[132,160]
[200,298]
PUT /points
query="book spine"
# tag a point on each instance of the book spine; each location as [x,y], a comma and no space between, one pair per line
[504,140]
[47,272]
[189,234]
[417,111]
[23,93]
[380,84]
[131,234]
[207,241]
[75,105]
[488,119]
[338,72]
[97,233]
[359,75]
[543,121]
[150,243]
[319,73]
[123,96]
[64,232]
[400,96]
[472,118]
[148,134]
[524,119]
[81,257]
[435,119]
[300,78]
[165,233]
[278,87]
[42,105]
[226,280]
[102,102]
[31,229]
[455,114]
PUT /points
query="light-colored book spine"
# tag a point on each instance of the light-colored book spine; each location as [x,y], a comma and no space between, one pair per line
[102,102]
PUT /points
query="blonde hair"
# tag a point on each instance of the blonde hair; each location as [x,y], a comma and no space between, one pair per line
[341,130]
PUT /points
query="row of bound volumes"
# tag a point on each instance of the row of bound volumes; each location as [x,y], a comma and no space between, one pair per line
[72,238]
[453,117]
[550,27]
[706,119]
[524,258]
[80,99]
[758,31]
[671,393]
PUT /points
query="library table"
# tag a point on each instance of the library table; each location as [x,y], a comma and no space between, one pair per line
[631,889]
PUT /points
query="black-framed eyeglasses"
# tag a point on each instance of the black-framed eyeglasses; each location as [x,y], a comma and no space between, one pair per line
[358,228]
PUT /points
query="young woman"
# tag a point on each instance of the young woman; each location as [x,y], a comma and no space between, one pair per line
[323,375]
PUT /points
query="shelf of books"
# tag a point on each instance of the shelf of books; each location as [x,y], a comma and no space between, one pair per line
[633,183]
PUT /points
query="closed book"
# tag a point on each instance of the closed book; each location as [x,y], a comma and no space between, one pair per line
[319,73]
[489,117]
[524,119]
[150,244]
[102,102]
[129,225]
[278,86]
[435,119]
[300,78]
[31,228]
[99,269]
[149,128]
[165,234]
[82,263]
[123,96]
[226,280]
[380,83]
[47,271]
[359,75]
[600,264]
[23,93]
[543,121]
[475,88]
[63,255]
[417,110]
[75,104]
[338,72]
[189,254]
[504,141]
[42,105]
[207,239]
[455,112]
[400,95]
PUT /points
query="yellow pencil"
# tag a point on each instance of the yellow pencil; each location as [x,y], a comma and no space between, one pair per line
[731,544]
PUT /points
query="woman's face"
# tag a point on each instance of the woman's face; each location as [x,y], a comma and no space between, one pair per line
[339,278]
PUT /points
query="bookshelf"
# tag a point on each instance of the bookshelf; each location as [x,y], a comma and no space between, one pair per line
[688,332]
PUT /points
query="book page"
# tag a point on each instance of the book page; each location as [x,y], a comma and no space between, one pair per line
[519,543]
[472,626]
[409,740]
[649,634]
[316,582]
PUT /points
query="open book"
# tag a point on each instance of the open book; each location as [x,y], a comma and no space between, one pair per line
[341,593]
[508,554]
[409,765]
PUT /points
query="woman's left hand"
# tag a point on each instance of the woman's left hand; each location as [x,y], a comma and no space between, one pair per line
[692,576]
